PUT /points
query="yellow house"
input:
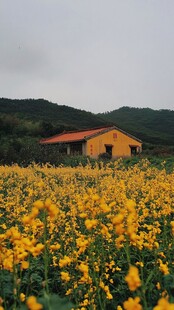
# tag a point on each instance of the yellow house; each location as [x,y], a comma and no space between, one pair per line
[96,141]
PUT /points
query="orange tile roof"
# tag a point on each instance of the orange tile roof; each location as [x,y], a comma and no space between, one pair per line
[73,136]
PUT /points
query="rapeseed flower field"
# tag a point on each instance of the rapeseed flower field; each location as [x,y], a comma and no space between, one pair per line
[88,237]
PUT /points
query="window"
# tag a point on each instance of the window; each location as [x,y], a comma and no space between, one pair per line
[134,150]
[109,149]
[76,149]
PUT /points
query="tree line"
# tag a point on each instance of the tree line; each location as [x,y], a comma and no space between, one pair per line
[24,122]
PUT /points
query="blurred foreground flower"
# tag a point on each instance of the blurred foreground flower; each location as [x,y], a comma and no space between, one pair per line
[132,304]
[132,278]
[163,304]
[32,303]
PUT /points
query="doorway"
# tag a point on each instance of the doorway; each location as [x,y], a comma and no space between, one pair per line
[109,149]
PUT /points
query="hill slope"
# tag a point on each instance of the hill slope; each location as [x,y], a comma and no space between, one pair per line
[24,122]
[43,110]
[152,126]
[41,118]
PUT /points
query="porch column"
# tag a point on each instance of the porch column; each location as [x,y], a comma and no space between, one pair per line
[84,148]
[68,150]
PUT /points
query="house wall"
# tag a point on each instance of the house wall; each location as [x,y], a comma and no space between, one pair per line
[120,141]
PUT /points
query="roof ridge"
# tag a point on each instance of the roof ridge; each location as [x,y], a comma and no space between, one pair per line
[87,129]
[75,131]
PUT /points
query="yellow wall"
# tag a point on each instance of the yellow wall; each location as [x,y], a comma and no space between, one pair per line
[121,142]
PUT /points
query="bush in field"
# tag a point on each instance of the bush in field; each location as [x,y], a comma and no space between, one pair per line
[105,156]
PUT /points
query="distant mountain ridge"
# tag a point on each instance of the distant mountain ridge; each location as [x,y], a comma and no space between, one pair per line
[43,110]
[151,126]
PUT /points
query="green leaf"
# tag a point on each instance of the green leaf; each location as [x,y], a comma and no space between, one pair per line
[168,281]
[52,302]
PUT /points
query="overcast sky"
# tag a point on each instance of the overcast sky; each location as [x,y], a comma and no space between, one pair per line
[94,55]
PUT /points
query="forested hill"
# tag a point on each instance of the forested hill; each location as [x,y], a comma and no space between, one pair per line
[152,126]
[37,110]
[41,118]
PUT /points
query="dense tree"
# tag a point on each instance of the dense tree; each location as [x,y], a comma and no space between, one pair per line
[152,126]
[24,122]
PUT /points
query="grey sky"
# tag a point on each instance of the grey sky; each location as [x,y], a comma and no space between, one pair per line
[95,55]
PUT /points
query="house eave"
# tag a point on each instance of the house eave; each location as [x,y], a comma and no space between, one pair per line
[61,142]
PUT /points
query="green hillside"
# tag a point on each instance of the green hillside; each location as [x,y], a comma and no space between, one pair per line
[151,126]
[24,122]
[37,110]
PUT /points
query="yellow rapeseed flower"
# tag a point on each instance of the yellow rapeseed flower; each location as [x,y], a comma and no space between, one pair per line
[172,226]
[132,278]
[90,224]
[132,304]
[118,219]
[52,210]
[163,267]
[32,303]
[83,268]
[36,250]
[24,265]
[38,204]
[65,276]
[55,247]
[65,261]
[163,304]
[22,297]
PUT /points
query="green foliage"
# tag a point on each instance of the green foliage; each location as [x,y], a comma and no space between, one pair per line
[24,122]
[33,278]
[168,283]
[45,111]
[56,303]
[6,286]
[52,302]
[105,156]
[166,163]
[156,127]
